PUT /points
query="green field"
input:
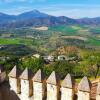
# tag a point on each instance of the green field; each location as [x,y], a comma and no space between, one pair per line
[4,41]
[94,41]
[67,30]
[89,32]
[78,41]
[51,39]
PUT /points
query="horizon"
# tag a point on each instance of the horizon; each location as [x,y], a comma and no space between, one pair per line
[45,13]
[72,9]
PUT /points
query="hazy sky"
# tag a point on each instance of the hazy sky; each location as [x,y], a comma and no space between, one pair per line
[70,8]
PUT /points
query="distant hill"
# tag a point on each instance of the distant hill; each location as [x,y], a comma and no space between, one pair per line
[32,14]
[36,18]
[95,21]
[6,18]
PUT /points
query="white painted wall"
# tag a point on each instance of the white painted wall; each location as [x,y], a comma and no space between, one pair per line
[66,94]
[98,97]
[37,91]
[52,92]
[25,89]
[13,84]
[83,95]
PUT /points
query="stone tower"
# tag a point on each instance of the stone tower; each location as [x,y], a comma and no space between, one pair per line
[84,89]
[67,88]
[52,88]
[38,86]
[98,92]
[26,84]
[14,80]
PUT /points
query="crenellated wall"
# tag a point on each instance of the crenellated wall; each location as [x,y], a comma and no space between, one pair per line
[36,87]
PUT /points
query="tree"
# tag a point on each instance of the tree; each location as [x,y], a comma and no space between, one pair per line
[32,63]
[61,67]
[89,59]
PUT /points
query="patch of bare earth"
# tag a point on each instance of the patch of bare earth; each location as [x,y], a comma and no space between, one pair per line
[75,37]
[43,28]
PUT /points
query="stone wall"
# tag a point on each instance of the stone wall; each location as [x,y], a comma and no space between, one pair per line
[38,88]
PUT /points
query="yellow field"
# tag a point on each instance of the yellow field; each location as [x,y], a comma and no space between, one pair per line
[43,28]
[75,37]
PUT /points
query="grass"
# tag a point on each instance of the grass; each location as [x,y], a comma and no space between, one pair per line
[7,41]
[69,30]
[94,41]
[77,30]
[61,30]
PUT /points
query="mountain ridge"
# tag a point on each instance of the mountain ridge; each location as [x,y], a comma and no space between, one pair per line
[37,18]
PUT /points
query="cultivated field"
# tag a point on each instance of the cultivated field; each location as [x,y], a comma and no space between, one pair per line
[75,37]
[41,28]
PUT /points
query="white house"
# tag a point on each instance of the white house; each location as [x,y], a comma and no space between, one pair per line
[51,58]
[61,57]
[36,55]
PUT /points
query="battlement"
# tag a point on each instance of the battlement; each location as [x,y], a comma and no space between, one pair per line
[36,87]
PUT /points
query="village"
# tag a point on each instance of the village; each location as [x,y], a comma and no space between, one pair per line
[51,58]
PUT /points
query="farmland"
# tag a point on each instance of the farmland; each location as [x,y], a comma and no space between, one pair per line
[15,41]
[75,37]
[56,36]
[82,42]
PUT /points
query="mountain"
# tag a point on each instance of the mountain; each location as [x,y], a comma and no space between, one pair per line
[5,17]
[37,18]
[33,14]
[89,21]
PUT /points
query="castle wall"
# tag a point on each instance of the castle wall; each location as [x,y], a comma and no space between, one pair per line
[98,97]
[13,84]
[52,93]
[98,92]
[25,90]
[34,90]
[66,94]
[38,91]
[0,96]
[83,95]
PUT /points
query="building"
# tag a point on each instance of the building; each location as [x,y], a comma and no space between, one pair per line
[51,58]
[36,55]
[61,57]
[38,87]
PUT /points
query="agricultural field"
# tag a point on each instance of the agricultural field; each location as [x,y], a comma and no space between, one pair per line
[75,37]
[48,39]
[79,41]
[7,41]
[89,34]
